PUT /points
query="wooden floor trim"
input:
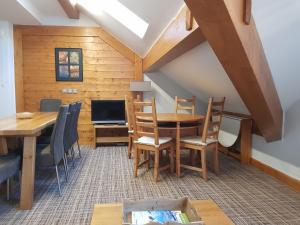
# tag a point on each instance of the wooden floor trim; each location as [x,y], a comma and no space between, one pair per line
[292,182]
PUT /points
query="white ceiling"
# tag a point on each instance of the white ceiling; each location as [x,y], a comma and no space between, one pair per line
[12,11]
[158,13]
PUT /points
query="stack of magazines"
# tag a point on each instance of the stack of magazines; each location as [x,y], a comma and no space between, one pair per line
[159,216]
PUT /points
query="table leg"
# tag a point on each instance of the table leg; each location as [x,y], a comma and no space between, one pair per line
[178,149]
[3,146]
[28,172]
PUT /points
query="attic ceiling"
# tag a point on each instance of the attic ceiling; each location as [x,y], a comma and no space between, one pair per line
[49,12]
[277,22]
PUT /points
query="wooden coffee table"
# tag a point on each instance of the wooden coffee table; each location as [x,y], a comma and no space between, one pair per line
[111,214]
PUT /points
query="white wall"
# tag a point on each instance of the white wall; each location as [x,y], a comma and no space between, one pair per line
[164,90]
[7,82]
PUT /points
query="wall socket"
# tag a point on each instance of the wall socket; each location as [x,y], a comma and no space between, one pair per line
[69,91]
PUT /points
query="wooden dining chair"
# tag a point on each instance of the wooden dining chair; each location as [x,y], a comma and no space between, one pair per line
[129,115]
[185,104]
[208,140]
[146,138]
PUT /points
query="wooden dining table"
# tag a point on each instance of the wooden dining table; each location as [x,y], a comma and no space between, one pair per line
[177,119]
[29,129]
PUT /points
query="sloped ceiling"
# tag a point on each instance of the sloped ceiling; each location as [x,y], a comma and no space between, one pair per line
[278,22]
[158,13]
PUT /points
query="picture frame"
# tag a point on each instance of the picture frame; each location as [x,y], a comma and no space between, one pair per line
[68,64]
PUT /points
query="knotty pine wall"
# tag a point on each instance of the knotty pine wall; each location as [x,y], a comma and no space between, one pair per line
[108,68]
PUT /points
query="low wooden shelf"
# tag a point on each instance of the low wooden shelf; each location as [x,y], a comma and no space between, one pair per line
[106,134]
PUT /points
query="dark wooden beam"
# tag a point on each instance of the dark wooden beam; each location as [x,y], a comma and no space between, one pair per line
[247,11]
[70,10]
[175,41]
[240,51]
[189,20]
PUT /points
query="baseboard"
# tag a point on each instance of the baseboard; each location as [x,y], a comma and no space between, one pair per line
[292,182]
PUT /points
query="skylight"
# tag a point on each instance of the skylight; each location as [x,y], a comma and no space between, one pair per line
[118,11]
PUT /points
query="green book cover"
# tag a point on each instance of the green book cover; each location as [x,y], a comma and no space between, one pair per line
[184,218]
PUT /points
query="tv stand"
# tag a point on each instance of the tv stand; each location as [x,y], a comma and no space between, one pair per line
[110,133]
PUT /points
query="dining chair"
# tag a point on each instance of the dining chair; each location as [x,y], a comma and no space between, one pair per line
[209,138]
[129,115]
[75,135]
[146,138]
[51,155]
[68,142]
[184,104]
[50,105]
[9,166]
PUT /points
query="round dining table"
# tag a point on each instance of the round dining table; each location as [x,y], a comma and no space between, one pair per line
[177,119]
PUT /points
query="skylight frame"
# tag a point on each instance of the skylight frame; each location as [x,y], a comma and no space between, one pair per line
[118,11]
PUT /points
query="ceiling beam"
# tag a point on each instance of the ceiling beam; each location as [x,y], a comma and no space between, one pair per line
[173,42]
[240,51]
[70,10]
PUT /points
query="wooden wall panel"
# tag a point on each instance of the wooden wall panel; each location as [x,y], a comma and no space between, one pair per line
[106,72]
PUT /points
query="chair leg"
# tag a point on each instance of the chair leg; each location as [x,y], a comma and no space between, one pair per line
[216,159]
[65,167]
[156,165]
[136,160]
[79,151]
[73,156]
[129,147]
[203,164]
[58,182]
[171,154]
[7,189]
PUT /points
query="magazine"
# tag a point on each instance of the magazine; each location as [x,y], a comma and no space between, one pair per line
[159,216]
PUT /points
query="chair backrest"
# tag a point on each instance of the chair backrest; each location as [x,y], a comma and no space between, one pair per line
[50,105]
[129,112]
[57,137]
[185,104]
[68,140]
[213,119]
[142,127]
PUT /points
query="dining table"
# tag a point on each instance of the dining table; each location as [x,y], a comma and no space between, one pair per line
[175,121]
[29,129]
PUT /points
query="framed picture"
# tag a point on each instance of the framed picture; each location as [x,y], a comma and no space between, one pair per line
[68,64]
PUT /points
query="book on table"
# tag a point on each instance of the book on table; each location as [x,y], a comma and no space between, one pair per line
[158,216]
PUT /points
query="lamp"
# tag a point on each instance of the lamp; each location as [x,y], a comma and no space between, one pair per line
[140,86]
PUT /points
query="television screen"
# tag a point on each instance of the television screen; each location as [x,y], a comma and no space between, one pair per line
[108,111]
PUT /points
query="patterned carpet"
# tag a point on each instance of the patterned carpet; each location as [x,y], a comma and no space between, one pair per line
[105,175]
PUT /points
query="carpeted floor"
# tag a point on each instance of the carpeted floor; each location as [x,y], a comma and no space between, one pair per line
[105,175]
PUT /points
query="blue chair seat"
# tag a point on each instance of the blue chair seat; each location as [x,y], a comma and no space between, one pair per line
[9,166]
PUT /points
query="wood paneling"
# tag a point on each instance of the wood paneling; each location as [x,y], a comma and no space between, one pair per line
[240,51]
[108,68]
[174,41]
[292,182]
[18,60]
[70,10]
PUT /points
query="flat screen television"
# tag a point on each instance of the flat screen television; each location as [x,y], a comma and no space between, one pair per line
[108,111]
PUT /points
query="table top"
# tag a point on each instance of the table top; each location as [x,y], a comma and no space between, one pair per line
[111,214]
[175,117]
[11,126]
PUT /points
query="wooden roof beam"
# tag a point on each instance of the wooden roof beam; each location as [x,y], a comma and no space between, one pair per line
[179,37]
[70,10]
[240,51]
